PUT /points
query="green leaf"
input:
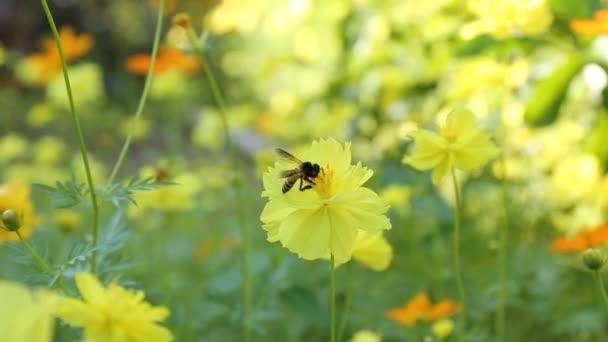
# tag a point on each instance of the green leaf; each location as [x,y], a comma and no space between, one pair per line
[596,140]
[568,10]
[551,92]
[118,193]
[65,195]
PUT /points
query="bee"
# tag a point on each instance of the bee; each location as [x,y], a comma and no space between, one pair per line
[306,171]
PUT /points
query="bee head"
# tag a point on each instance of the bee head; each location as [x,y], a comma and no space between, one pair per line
[310,169]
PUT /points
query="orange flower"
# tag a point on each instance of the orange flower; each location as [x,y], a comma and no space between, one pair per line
[167,59]
[581,241]
[420,307]
[47,62]
[594,26]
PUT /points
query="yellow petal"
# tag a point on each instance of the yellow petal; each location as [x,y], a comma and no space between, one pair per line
[306,233]
[272,231]
[75,312]
[441,170]
[430,149]
[342,234]
[90,288]
[373,251]
[366,209]
[276,210]
[330,151]
[457,122]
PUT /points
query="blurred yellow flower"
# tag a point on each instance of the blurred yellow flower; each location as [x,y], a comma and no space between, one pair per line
[397,197]
[12,146]
[40,114]
[48,150]
[26,316]
[366,336]
[178,196]
[327,218]
[506,18]
[142,128]
[372,250]
[16,196]
[583,170]
[114,314]
[167,85]
[460,144]
[443,328]
[86,78]
[67,220]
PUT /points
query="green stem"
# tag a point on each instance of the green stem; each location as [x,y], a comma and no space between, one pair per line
[236,183]
[502,259]
[600,284]
[45,267]
[456,256]
[347,302]
[144,94]
[332,282]
[83,148]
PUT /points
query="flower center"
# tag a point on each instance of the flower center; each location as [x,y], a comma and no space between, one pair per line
[323,182]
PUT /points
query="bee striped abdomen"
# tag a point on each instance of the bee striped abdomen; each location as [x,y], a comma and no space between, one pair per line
[287,185]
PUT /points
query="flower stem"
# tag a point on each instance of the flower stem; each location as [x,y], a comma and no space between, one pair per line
[456,256]
[83,148]
[236,183]
[600,284]
[347,302]
[502,260]
[144,94]
[332,282]
[43,265]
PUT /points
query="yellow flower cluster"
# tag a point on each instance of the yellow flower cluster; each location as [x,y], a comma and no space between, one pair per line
[506,18]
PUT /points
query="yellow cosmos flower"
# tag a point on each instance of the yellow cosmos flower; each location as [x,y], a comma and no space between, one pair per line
[25,316]
[372,250]
[16,196]
[327,218]
[460,144]
[114,314]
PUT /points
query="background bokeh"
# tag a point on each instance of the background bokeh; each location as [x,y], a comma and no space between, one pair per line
[370,72]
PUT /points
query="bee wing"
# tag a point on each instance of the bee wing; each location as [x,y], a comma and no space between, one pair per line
[289,173]
[288,156]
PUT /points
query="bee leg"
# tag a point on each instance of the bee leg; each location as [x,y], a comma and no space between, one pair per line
[307,186]
[309,180]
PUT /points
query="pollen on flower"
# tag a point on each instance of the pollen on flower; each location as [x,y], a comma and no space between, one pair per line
[323,182]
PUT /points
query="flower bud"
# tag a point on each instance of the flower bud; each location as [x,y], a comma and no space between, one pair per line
[182,19]
[594,259]
[11,220]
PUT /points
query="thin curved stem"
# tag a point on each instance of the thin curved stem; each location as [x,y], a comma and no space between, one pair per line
[347,301]
[83,148]
[43,265]
[502,259]
[236,183]
[600,285]
[144,94]
[456,256]
[332,282]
